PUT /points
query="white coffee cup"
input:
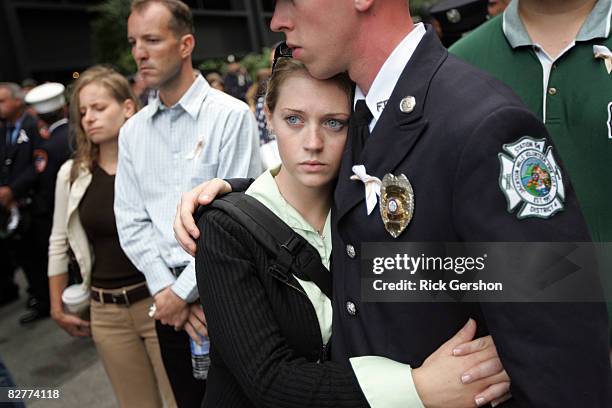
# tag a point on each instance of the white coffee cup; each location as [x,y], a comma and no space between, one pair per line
[76,298]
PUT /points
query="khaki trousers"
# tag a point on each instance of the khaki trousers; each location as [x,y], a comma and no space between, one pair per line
[126,340]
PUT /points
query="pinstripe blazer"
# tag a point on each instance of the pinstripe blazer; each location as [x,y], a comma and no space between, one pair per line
[266,346]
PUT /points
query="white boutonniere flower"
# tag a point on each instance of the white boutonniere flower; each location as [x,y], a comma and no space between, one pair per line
[23,137]
[372,186]
[601,52]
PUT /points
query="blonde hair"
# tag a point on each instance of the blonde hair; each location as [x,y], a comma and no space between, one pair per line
[86,152]
[286,68]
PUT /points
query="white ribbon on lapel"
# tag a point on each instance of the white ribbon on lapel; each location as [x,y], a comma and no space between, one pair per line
[23,137]
[604,53]
[372,186]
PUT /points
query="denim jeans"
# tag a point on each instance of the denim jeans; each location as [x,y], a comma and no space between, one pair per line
[7,381]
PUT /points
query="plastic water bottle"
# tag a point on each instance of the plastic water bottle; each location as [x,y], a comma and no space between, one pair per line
[200,357]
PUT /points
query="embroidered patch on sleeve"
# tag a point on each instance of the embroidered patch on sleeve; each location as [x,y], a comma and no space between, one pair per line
[530,176]
[40,160]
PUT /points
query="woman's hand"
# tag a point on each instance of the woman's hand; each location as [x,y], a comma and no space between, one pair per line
[69,322]
[73,325]
[495,393]
[462,373]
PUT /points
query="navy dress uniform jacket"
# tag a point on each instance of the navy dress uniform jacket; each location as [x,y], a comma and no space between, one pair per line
[49,157]
[555,354]
[16,169]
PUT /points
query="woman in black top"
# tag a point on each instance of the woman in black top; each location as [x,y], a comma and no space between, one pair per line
[84,222]
[268,334]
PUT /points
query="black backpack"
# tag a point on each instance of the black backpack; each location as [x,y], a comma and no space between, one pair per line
[290,252]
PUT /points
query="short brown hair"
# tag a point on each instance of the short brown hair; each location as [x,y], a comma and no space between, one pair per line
[286,68]
[181,21]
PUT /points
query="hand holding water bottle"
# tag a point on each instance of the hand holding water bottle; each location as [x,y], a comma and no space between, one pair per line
[195,325]
[198,338]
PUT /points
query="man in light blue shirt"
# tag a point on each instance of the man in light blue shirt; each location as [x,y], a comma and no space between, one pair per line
[189,133]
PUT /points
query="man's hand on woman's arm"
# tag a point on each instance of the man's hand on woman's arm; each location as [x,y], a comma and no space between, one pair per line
[185,229]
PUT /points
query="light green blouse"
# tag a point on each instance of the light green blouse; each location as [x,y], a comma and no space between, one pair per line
[265,190]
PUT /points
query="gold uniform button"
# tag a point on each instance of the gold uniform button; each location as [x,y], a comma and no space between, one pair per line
[552,91]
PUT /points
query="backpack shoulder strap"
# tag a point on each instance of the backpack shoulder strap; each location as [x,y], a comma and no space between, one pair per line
[290,251]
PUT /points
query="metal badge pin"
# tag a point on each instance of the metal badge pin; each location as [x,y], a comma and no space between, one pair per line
[453,16]
[407,104]
[396,203]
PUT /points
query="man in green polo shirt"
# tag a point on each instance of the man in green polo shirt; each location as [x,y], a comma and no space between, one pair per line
[556,55]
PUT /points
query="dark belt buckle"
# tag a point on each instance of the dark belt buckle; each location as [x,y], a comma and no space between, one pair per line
[121,296]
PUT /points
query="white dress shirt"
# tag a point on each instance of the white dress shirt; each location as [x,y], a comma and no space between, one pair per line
[389,74]
[164,151]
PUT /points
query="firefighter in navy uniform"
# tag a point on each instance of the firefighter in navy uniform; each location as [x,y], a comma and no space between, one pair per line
[458,17]
[439,139]
[53,150]
[18,137]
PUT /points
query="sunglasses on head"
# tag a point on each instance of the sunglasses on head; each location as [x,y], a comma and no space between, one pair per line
[281,51]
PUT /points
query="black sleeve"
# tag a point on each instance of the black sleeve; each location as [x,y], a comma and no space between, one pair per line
[240,185]
[26,180]
[245,333]
[555,353]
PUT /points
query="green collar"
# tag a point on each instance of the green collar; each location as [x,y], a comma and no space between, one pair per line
[265,190]
[597,24]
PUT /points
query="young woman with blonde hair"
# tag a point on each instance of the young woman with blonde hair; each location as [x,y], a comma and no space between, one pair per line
[84,223]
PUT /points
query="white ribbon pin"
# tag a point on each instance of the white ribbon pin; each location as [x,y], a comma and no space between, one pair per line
[197,149]
[604,53]
[372,186]
[23,137]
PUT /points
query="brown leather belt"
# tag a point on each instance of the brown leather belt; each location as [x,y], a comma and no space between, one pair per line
[125,297]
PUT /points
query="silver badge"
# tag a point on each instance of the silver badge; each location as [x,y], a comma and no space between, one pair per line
[408,104]
[453,16]
[396,203]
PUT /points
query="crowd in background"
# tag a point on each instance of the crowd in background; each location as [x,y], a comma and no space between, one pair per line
[19,182]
